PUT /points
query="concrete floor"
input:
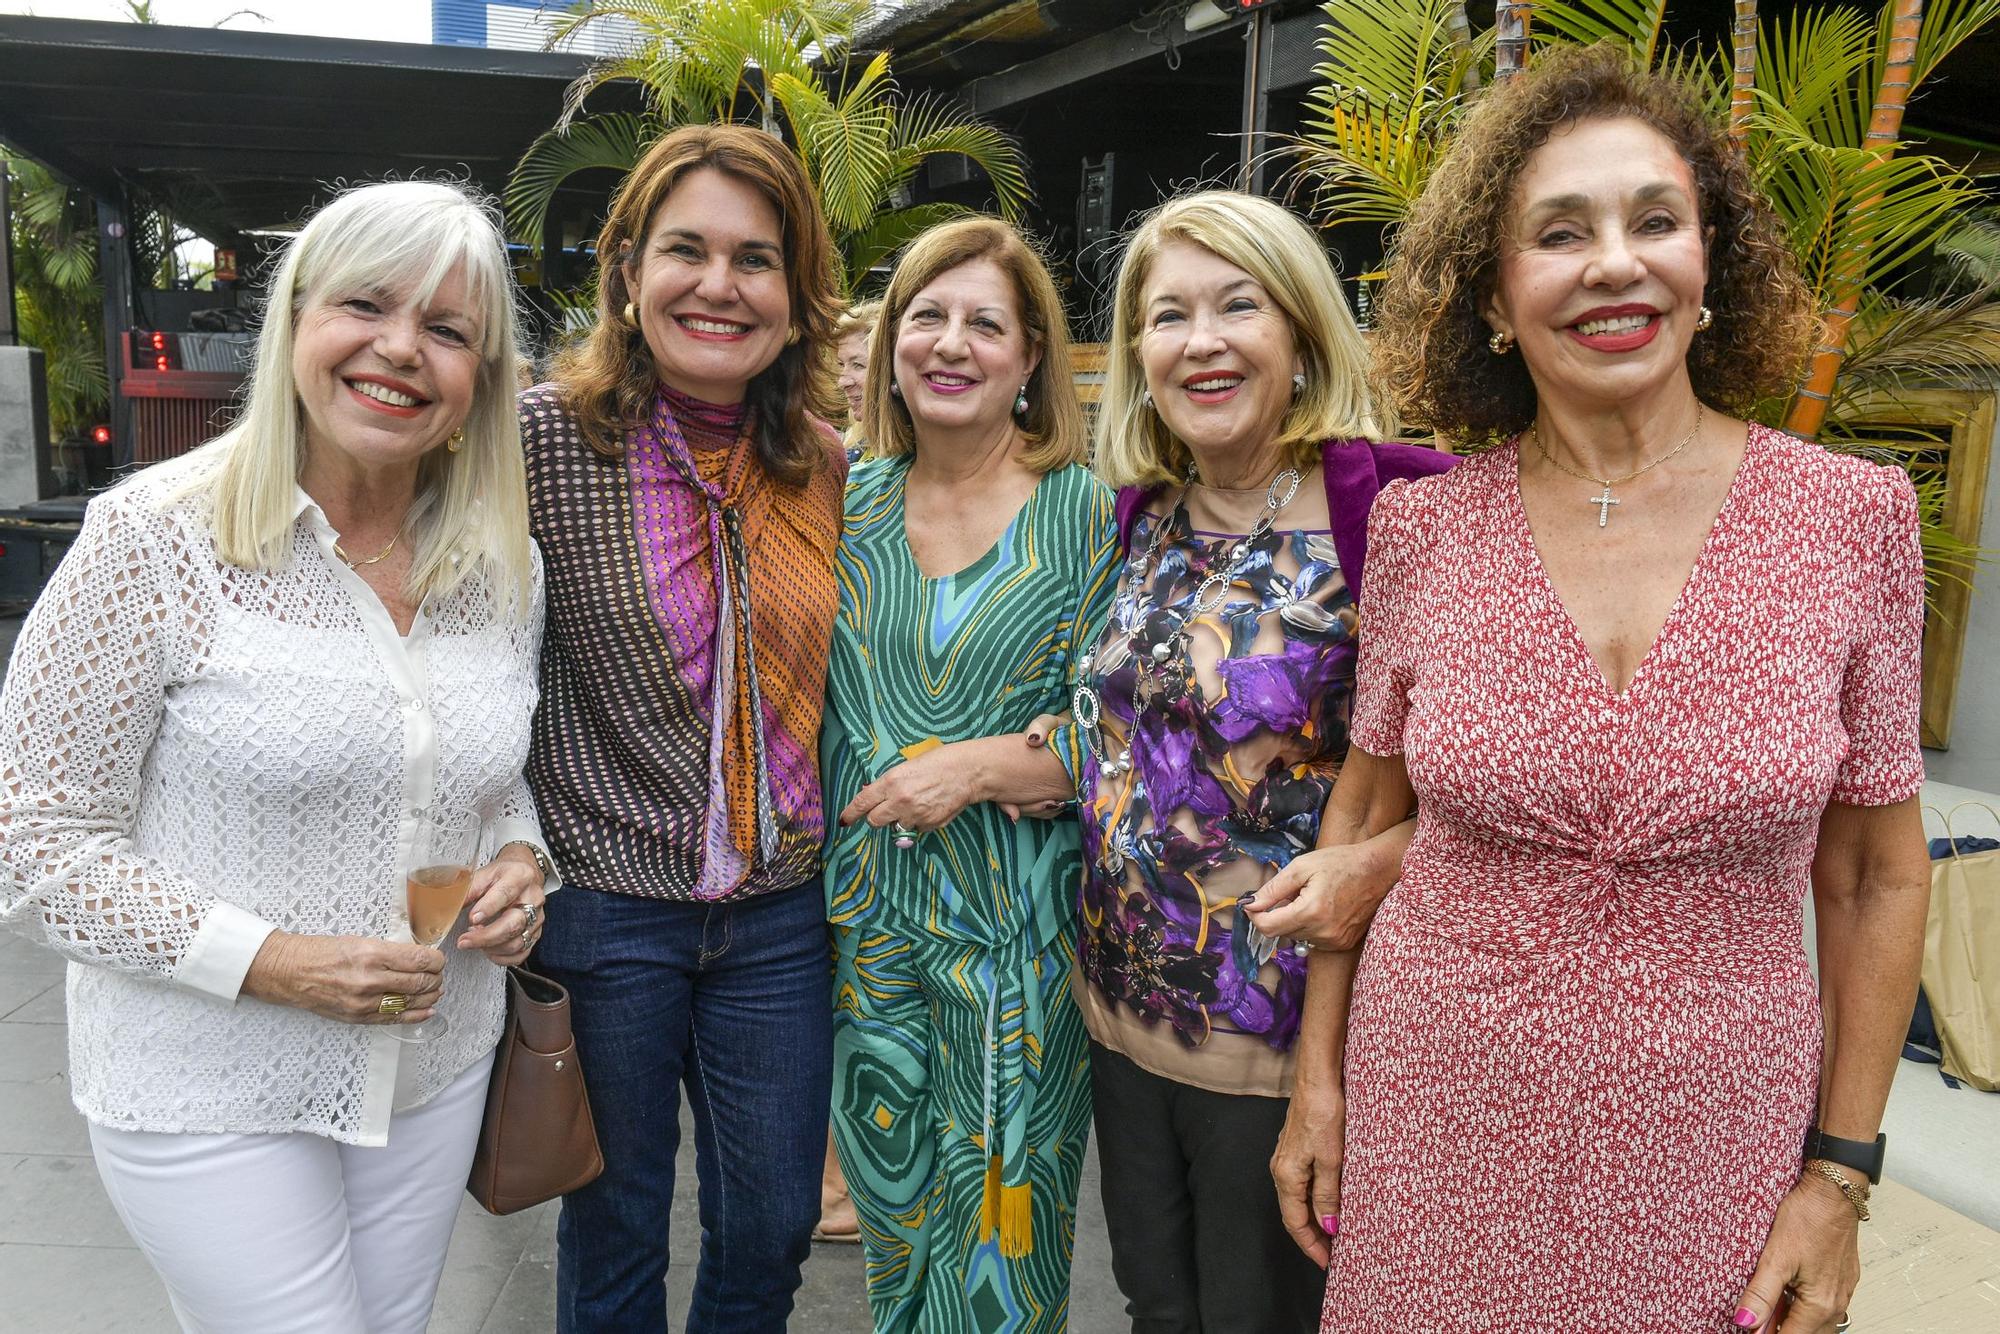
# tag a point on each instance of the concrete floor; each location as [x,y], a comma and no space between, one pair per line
[66,1263]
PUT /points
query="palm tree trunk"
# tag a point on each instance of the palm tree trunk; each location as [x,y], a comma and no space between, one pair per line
[1460,29]
[1744,29]
[1809,402]
[1510,26]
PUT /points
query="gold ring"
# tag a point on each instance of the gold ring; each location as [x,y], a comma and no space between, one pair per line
[392,1002]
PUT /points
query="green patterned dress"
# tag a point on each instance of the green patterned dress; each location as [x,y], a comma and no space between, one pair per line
[961,1102]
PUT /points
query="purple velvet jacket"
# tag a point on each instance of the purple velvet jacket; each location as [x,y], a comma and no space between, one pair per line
[1355,471]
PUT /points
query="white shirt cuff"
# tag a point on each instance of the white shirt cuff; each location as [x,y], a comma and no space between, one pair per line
[509,829]
[223,949]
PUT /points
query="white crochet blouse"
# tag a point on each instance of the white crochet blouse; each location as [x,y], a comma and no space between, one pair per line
[193,754]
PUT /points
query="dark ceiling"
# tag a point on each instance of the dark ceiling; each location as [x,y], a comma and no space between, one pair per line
[245,131]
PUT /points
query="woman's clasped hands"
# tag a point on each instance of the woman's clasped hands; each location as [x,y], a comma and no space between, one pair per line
[344,978]
[924,793]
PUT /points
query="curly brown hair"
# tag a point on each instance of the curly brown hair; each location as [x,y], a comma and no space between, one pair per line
[607,380]
[1429,350]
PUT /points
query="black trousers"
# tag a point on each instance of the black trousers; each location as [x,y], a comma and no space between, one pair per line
[1197,1245]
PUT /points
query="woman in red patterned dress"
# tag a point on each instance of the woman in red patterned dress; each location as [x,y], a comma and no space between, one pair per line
[1653,672]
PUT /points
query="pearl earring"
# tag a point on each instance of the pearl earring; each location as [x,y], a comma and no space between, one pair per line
[1706,318]
[895,390]
[1146,397]
[1298,383]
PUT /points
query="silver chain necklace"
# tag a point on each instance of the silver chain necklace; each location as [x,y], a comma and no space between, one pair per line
[1165,671]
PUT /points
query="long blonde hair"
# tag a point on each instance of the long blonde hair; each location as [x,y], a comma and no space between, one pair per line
[471,511]
[1269,243]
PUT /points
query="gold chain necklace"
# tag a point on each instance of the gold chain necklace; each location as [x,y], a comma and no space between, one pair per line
[1604,501]
[354,564]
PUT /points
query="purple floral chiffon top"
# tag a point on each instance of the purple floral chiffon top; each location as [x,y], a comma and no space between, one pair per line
[1226,784]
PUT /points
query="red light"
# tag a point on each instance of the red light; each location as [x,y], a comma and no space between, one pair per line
[101,434]
[160,363]
[160,344]
[3,549]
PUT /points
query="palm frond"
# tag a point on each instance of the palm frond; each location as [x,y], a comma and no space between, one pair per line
[1896,346]
[1814,64]
[927,127]
[890,231]
[1947,24]
[615,141]
[1393,83]
[1633,24]
[1970,255]
[847,145]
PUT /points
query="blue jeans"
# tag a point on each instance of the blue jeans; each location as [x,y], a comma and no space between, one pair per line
[732,1001]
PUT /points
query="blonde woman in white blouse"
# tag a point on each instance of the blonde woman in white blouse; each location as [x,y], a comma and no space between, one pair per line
[257,672]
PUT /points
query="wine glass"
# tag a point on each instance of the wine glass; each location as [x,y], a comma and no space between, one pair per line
[436,878]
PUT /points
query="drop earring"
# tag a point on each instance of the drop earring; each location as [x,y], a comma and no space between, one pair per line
[1021,402]
[1146,397]
[455,441]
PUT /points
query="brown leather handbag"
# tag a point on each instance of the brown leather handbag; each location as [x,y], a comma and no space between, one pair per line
[538,1140]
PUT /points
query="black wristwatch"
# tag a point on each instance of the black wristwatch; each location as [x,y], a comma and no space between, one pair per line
[1860,1155]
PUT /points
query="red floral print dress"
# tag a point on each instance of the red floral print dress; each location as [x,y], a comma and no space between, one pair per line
[1584,1046]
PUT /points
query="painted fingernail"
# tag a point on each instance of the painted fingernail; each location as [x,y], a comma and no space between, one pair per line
[1330,1224]
[1744,1318]
[1247,901]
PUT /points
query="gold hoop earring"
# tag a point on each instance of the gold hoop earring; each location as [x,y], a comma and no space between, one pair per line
[1501,343]
[455,441]
[631,316]
[792,336]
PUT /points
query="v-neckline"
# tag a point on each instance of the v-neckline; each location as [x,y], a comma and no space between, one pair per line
[977,562]
[1753,444]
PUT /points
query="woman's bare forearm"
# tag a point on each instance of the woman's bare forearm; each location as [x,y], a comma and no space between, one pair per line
[1006,768]
[1323,1019]
[1370,801]
[1871,888]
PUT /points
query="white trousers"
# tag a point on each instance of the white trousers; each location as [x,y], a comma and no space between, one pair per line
[298,1234]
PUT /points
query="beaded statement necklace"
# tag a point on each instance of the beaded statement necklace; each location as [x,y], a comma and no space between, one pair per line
[1166,670]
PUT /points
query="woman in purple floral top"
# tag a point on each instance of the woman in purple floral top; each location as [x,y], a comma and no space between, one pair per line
[1213,712]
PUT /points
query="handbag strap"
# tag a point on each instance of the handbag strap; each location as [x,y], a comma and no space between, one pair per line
[1946,816]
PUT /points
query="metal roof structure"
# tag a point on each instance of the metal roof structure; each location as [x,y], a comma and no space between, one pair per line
[245,131]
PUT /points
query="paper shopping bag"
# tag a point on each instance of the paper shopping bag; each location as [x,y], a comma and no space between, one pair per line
[1962,963]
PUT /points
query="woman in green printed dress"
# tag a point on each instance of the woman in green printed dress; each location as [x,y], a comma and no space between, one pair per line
[976,556]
